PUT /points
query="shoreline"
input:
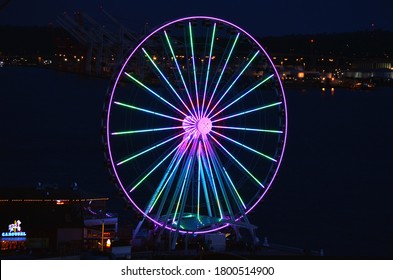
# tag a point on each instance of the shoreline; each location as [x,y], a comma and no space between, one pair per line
[347,83]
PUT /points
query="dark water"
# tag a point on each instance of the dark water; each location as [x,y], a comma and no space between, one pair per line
[334,189]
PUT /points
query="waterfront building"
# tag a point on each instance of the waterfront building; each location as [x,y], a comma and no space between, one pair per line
[375,69]
[54,221]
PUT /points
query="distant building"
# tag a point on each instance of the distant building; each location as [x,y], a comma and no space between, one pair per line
[370,69]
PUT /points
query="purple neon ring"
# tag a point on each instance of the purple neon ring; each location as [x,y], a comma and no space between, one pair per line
[109,108]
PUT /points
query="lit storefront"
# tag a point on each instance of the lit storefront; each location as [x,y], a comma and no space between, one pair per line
[14,239]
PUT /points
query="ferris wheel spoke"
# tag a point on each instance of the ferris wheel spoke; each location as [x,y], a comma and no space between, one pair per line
[147,111]
[178,69]
[171,170]
[234,81]
[248,111]
[202,176]
[221,178]
[168,181]
[208,168]
[163,183]
[249,129]
[149,149]
[244,146]
[146,130]
[238,162]
[155,167]
[151,171]
[179,187]
[243,95]
[208,66]
[184,188]
[222,72]
[194,67]
[172,201]
[234,189]
[167,190]
[154,93]
[199,183]
[222,172]
[210,189]
[166,80]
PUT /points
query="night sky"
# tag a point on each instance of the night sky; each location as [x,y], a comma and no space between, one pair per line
[260,18]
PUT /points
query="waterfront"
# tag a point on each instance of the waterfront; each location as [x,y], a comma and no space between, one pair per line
[333,190]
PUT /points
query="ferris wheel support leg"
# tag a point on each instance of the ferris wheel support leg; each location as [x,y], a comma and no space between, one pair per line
[237,232]
[251,229]
[138,227]
[255,239]
[174,240]
[247,225]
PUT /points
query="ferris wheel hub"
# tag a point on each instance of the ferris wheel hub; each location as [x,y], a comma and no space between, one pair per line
[204,125]
[200,126]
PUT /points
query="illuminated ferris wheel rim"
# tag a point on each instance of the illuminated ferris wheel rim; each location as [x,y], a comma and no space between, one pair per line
[201,129]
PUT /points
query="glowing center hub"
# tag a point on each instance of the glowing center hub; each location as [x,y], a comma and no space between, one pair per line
[204,125]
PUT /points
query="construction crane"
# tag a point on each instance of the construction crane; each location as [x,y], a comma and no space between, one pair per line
[105,46]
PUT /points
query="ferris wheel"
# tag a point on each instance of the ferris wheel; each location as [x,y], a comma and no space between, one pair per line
[196,125]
